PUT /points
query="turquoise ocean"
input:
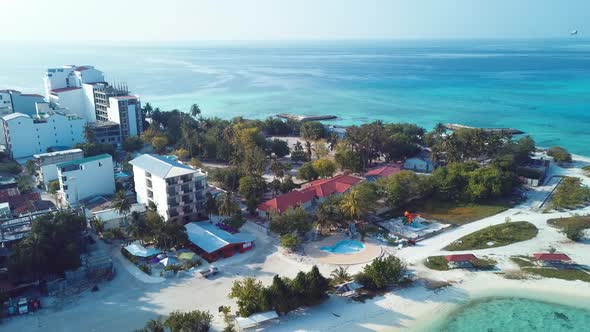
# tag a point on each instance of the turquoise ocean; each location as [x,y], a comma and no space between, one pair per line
[513,315]
[539,86]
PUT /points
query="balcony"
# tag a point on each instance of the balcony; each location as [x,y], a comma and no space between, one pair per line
[148,183]
[172,192]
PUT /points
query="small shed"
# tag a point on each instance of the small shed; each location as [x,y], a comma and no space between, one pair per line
[212,243]
[246,323]
[461,261]
[552,259]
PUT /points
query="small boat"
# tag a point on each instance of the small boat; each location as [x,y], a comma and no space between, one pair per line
[574,32]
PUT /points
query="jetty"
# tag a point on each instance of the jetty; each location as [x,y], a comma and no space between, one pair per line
[508,131]
[304,118]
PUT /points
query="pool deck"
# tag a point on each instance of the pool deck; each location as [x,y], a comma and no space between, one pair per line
[372,250]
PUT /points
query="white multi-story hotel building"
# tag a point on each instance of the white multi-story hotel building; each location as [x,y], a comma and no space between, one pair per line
[177,190]
[84,91]
[47,162]
[83,178]
[25,136]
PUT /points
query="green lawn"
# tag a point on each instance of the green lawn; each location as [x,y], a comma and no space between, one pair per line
[571,226]
[523,261]
[438,263]
[558,273]
[502,235]
[460,213]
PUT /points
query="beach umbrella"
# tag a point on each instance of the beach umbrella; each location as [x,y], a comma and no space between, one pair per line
[169,261]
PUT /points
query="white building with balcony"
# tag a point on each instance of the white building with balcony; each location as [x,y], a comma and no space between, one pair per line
[25,136]
[177,190]
[86,177]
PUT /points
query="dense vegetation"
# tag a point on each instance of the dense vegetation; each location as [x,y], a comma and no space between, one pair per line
[570,193]
[53,247]
[192,321]
[283,295]
[498,235]
[572,227]
[438,263]
[560,154]
[381,273]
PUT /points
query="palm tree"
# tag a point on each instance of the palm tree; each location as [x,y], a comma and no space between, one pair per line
[227,206]
[352,205]
[440,129]
[195,110]
[122,204]
[308,148]
[277,168]
[210,204]
[340,275]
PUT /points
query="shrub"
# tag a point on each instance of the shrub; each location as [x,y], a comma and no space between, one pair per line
[290,241]
[236,221]
[560,154]
[382,273]
[570,193]
[145,268]
[484,264]
[194,321]
[182,154]
[128,255]
[438,263]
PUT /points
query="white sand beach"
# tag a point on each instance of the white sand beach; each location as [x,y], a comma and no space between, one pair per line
[128,301]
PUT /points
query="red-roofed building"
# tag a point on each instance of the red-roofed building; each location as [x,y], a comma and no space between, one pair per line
[383,171]
[335,185]
[461,258]
[283,202]
[317,190]
[548,257]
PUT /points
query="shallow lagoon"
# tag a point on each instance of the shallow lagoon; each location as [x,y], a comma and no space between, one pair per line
[513,314]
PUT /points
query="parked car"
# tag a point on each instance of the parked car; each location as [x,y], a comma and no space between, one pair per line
[211,271]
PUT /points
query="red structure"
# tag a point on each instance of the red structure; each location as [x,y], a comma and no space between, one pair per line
[463,258]
[289,200]
[212,243]
[383,171]
[548,257]
[304,197]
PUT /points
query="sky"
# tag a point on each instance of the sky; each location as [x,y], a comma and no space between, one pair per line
[194,20]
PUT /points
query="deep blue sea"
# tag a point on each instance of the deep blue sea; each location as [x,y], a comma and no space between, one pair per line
[539,86]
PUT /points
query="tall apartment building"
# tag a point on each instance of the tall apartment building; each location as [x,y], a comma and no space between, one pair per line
[83,178]
[177,190]
[12,101]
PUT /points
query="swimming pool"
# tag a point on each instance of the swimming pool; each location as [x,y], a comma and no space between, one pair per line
[344,247]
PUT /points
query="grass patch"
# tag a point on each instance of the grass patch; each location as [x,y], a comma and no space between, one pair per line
[570,193]
[501,235]
[460,213]
[438,263]
[571,226]
[522,261]
[559,274]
